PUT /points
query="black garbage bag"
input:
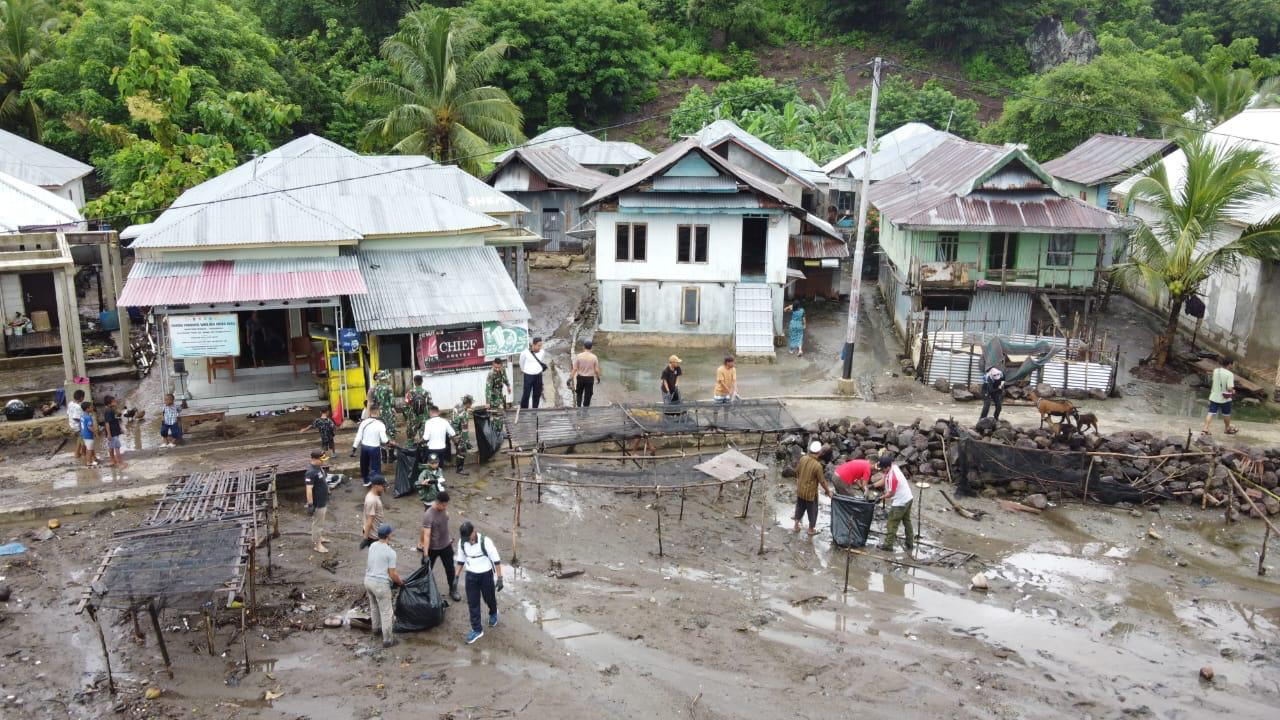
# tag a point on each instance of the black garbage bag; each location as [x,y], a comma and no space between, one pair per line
[406,473]
[488,437]
[850,520]
[419,605]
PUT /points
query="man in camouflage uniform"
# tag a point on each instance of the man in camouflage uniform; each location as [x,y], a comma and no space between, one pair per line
[494,394]
[462,426]
[416,402]
[430,481]
[382,398]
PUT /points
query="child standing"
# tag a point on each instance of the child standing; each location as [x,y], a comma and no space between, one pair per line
[327,428]
[111,428]
[74,413]
[88,431]
[170,430]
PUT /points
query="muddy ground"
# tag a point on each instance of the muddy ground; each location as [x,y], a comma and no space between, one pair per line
[1087,616]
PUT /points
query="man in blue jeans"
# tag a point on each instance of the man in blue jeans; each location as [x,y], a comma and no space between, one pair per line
[478,557]
[371,436]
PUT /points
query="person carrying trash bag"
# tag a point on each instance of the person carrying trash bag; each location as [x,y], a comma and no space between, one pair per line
[478,558]
[380,576]
[897,491]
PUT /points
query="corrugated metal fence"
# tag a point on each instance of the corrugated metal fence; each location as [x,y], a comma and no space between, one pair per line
[950,355]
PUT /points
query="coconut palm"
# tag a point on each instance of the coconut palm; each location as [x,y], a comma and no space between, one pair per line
[1192,235]
[1217,96]
[439,104]
[25,28]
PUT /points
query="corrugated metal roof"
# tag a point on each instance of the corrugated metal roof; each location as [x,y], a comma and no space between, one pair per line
[306,191]
[707,201]
[26,206]
[37,164]
[791,161]
[419,289]
[816,247]
[450,182]
[694,184]
[556,166]
[586,149]
[665,159]
[1104,156]
[153,283]
[938,192]
[1257,128]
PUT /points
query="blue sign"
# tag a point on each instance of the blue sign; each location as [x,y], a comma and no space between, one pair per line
[348,339]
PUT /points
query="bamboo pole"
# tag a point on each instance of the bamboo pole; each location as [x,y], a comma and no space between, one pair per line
[764,519]
[164,649]
[657,508]
[208,630]
[515,526]
[106,655]
[751,484]
[1262,554]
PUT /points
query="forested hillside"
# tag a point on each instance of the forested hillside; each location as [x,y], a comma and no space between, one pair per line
[160,94]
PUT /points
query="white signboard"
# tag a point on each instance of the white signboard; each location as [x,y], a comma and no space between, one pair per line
[197,336]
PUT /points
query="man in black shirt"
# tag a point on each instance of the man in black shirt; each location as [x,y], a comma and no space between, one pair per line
[317,498]
[671,381]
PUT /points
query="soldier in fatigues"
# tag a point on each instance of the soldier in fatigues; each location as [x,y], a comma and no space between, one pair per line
[495,395]
[416,402]
[462,426]
[382,399]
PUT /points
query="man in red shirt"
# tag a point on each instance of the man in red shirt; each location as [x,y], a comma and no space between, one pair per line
[855,471]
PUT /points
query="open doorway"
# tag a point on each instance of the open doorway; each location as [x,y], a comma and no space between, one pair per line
[38,295]
[755,238]
[266,338]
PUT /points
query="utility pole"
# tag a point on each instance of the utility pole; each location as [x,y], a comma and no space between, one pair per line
[855,284]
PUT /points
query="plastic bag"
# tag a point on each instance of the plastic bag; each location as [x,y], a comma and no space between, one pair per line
[406,473]
[488,437]
[419,605]
[850,520]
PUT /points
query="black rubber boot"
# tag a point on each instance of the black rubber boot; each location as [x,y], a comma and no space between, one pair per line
[453,591]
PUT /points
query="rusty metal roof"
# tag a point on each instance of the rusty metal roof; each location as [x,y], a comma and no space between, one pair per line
[556,166]
[816,247]
[1105,156]
[963,185]
[153,283]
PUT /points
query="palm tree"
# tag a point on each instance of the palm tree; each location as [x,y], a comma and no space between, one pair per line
[1191,237]
[1219,96]
[439,104]
[25,28]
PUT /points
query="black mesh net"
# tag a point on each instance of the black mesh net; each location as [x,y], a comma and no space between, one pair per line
[554,427]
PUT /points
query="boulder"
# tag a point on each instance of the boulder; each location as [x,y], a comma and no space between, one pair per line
[1044,390]
[1096,394]
[1038,501]
[942,385]
[962,395]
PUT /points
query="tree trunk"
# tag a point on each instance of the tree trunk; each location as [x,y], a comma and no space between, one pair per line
[1164,341]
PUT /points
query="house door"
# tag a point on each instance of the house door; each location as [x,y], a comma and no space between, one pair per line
[553,228]
[38,294]
[1002,251]
[755,236]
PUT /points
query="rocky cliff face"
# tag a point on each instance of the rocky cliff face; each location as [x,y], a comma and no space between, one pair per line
[1049,45]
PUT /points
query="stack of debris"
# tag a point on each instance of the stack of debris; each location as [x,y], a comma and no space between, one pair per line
[1125,466]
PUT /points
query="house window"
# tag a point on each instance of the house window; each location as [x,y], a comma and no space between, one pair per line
[691,243]
[1002,251]
[845,202]
[630,304]
[1062,249]
[947,248]
[631,241]
[690,306]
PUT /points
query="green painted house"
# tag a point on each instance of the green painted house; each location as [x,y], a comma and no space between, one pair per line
[1092,168]
[974,233]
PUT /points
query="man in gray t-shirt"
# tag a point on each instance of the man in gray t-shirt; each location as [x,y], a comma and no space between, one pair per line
[436,542]
[379,574]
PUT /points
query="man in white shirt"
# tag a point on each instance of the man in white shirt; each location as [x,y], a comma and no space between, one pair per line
[533,363]
[478,557]
[898,492]
[370,438]
[436,432]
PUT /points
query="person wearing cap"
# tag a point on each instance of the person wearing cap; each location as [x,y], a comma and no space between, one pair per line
[379,576]
[726,382]
[670,385]
[372,514]
[478,557]
[317,484]
[436,433]
[430,481]
[371,437]
[898,492]
[533,363]
[437,543]
[585,374]
[855,472]
[809,476]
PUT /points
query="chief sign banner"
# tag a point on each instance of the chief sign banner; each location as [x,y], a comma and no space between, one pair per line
[198,336]
[451,349]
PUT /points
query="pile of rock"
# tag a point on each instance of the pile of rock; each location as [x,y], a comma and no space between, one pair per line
[1168,466]
[1015,393]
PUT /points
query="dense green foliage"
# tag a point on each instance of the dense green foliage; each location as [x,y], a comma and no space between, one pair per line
[158,94]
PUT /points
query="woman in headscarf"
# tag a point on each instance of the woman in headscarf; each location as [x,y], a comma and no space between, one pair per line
[795,330]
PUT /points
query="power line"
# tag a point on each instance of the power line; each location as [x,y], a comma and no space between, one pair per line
[993,89]
[797,82]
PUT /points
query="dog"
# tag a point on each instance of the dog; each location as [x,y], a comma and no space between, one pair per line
[1049,408]
[1086,420]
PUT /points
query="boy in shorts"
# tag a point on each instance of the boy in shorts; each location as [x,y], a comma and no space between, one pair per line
[170,428]
[88,432]
[111,431]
